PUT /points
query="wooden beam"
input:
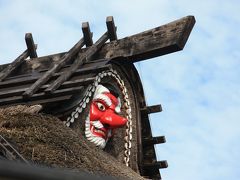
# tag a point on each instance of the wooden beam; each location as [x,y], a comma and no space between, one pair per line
[154,140]
[156,164]
[85,57]
[14,65]
[87,35]
[111,28]
[17,91]
[56,67]
[155,42]
[40,96]
[30,45]
[22,80]
[151,109]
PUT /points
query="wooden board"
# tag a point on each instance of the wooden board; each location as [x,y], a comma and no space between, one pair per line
[155,42]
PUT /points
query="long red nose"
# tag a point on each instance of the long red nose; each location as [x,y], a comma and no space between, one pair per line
[112,119]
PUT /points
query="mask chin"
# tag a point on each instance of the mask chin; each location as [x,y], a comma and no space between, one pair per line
[95,139]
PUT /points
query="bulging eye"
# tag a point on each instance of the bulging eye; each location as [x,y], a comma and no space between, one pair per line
[100,106]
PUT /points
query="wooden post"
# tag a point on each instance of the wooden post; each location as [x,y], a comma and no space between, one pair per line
[72,52]
[30,45]
[151,109]
[80,61]
[87,35]
[111,28]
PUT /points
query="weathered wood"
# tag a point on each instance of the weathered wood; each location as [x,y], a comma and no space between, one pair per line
[155,42]
[40,96]
[72,52]
[30,45]
[152,109]
[152,43]
[157,164]
[112,30]
[18,80]
[154,140]
[68,84]
[87,35]
[15,64]
[78,62]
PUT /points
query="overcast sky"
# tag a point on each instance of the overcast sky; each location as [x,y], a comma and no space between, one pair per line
[199,87]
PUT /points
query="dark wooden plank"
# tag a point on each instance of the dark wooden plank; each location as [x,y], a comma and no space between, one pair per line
[15,64]
[72,52]
[112,30]
[159,41]
[16,91]
[156,164]
[30,45]
[154,140]
[78,62]
[17,81]
[155,42]
[152,109]
[40,96]
[87,35]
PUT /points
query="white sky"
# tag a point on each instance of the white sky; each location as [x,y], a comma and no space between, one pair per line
[197,87]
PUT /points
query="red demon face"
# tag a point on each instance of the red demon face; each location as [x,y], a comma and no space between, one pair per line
[103,117]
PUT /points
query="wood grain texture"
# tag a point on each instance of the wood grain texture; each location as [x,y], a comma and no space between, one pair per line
[155,42]
[30,45]
[15,64]
[72,52]
[85,57]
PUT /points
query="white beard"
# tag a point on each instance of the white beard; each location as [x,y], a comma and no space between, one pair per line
[98,141]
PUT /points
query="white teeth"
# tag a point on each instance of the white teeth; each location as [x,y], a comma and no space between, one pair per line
[101,75]
[109,73]
[76,115]
[105,74]
[93,89]
[84,105]
[97,124]
[96,83]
